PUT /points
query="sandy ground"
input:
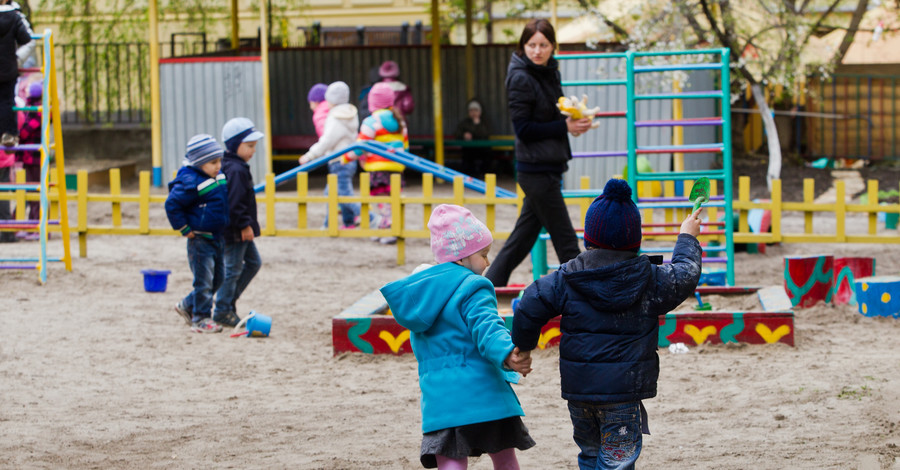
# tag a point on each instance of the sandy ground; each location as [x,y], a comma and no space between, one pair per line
[97,373]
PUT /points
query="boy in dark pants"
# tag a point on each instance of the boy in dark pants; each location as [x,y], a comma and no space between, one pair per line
[242,260]
[610,299]
[15,35]
[197,207]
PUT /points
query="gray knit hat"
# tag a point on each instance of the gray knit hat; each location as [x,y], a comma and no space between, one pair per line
[201,149]
[337,93]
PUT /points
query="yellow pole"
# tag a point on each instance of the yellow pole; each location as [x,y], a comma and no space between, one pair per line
[235,35]
[264,51]
[436,82]
[553,16]
[470,60]
[677,131]
[155,109]
[60,154]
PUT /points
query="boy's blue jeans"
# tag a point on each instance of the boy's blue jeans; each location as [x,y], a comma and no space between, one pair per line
[242,262]
[609,436]
[345,173]
[205,256]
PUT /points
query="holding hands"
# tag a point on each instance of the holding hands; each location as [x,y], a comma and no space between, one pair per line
[519,361]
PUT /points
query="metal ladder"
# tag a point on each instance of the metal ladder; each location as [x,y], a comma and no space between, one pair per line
[49,102]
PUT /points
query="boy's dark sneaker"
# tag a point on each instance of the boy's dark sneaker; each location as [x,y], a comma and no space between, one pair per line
[185,313]
[229,319]
[206,325]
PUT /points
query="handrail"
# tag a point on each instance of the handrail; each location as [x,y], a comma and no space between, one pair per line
[399,156]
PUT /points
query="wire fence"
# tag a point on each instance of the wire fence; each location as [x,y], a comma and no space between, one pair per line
[109,83]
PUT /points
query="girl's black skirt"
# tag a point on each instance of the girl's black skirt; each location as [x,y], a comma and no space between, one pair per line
[473,440]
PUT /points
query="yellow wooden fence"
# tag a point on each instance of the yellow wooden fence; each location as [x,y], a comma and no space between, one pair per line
[301,199]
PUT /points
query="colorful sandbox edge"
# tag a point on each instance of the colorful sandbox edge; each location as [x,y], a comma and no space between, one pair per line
[365,327]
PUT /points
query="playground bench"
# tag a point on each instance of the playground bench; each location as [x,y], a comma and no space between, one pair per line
[291,147]
[501,145]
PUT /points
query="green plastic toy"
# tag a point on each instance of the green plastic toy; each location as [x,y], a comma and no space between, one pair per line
[699,192]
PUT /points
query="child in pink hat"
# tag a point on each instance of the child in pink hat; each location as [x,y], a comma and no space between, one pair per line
[387,126]
[465,353]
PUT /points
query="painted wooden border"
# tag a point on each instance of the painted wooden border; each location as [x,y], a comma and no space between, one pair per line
[365,327]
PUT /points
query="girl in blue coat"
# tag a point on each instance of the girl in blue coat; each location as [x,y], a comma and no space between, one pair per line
[466,356]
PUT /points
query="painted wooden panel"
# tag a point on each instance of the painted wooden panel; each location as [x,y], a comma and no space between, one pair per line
[878,296]
[808,279]
[846,271]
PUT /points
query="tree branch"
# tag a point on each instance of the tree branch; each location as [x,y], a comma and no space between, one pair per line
[851,31]
[725,38]
[818,23]
[619,31]
[688,15]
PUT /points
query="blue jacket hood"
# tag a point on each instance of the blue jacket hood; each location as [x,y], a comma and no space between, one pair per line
[604,282]
[417,300]
[460,342]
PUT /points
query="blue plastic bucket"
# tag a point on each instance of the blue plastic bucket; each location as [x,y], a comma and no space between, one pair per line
[712,278]
[155,280]
[258,324]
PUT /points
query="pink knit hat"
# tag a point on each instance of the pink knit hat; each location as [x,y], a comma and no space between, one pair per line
[381,96]
[456,233]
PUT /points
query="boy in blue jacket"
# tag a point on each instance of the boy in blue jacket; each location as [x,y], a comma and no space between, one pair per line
[610,300]
[242,260]
[197,207]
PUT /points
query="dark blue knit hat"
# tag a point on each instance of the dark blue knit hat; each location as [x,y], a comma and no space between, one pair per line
[613,220]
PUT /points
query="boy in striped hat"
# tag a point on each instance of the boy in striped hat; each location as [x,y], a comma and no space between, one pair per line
[197,206]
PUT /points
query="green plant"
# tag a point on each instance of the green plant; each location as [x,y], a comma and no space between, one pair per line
[849,393]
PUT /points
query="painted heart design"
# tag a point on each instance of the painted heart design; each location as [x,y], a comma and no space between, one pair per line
[699,335]
[392,342]
[772,336]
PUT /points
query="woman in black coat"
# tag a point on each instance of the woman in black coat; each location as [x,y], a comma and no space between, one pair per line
[533,86]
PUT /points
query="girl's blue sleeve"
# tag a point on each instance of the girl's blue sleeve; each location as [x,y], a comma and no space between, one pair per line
[485,324]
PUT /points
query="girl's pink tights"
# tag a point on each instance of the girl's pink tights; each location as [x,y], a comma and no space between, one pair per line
[503,460]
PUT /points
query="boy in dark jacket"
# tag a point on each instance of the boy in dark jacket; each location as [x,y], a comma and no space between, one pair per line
[610,299]
[242,260]
[15,35]
[197,207]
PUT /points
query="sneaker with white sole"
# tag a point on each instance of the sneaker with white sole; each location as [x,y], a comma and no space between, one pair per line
[9,140]
[184,312]
[206,325]
[387,240]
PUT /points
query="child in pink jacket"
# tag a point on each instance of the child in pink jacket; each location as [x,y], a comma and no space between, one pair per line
[319,107]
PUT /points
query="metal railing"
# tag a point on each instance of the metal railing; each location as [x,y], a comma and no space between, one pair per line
[853,116]
[108,83]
